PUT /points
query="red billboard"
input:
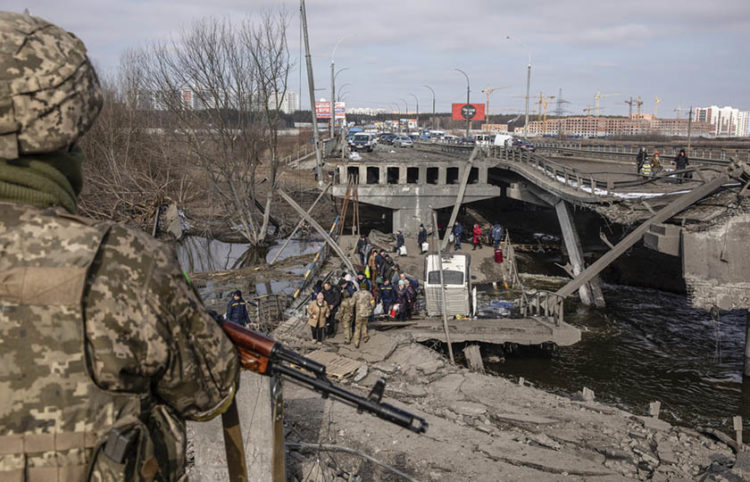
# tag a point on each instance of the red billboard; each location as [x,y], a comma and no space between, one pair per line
[463,111]
[323,110]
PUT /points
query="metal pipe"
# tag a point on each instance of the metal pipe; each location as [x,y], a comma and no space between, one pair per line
[436,240]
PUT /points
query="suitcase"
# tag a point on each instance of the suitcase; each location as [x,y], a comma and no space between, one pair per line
[498,255]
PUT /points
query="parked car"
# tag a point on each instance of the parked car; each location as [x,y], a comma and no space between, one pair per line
[388,138]
[364,141]
[466,141]
[403,141]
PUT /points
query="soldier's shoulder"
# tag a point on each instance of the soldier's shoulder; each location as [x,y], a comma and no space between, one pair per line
[128,243]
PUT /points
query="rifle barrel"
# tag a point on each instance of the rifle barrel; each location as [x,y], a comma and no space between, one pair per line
[381,410]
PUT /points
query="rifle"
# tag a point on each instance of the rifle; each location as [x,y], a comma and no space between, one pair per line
[266,356]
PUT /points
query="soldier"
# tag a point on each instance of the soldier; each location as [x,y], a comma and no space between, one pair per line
[364,304]
[153,356]
[345,314]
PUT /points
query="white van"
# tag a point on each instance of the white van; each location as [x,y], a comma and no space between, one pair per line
[503,140]
[483,139]
[457,284]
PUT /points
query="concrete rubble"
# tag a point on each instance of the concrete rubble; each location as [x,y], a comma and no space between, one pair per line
[481,427]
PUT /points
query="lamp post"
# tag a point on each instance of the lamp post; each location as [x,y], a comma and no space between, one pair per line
[416,99]
[433,106]
[333,86]
[528,85]
[468,94]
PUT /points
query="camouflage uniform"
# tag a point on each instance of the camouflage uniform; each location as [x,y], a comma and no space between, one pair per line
[101,338]
[152,358]
[363,302]
[345,314]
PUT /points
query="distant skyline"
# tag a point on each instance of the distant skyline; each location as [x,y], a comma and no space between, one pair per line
[686,52]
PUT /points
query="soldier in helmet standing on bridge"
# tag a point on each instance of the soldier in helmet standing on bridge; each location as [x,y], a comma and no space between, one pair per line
[106,348]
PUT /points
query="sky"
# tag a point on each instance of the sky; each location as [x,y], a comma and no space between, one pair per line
[686,52]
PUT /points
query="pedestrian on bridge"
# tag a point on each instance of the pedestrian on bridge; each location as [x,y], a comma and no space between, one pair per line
[640,159]
[457,232]
[362,249]
[476,237]
[681,163]
[364,304]
[655,164]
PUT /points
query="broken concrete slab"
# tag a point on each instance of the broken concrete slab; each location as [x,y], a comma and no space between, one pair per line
[449,387]
[654,423]
[418,356]
[378,348]
[467,408]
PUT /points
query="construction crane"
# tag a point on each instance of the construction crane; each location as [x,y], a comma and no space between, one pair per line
[656,106]
[559,111]
[630,108]
[588,110]
[678,110]
[543,101]
[597,98]
[488,92]
[638,103]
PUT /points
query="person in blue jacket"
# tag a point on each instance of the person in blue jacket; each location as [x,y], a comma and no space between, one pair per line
[386,295]
[457,233]
[237,310]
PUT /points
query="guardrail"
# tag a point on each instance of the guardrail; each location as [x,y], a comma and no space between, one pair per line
[698,155]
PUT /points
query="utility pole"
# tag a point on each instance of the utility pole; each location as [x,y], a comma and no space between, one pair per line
[311,86]
[690,129]
[332,122]
[417,100]
[433,106]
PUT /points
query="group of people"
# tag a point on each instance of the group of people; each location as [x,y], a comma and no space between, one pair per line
[650,166]
[496,235]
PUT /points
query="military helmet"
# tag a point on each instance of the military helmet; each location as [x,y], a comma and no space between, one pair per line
[49,91]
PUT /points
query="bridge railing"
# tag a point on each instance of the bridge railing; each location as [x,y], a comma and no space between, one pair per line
[545,304]
[627,152]
[590,181]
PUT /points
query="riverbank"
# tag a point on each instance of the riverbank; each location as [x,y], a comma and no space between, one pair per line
[481,427]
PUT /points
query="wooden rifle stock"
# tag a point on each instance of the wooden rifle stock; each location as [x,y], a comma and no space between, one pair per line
[266,356]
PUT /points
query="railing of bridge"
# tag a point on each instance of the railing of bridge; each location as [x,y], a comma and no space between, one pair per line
[596,183]
[628,152]
[545,304]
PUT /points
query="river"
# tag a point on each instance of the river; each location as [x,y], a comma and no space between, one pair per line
[646,345]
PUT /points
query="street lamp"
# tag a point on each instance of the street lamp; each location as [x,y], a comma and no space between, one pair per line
[333,86]
[417,101]
[433,106]
[406,106]
[528,84]
[468,93]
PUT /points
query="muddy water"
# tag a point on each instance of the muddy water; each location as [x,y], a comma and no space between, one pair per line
[646,345]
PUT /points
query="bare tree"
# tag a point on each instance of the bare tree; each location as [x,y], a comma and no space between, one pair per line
[222,85]
[130,169]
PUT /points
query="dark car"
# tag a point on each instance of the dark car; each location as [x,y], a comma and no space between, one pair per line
[466,141]
[523,145]
[388,137]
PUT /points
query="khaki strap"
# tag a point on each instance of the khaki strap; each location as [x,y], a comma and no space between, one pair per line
[45,442]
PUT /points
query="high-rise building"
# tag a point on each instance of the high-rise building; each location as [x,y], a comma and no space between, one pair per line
[288,104]
[726,121]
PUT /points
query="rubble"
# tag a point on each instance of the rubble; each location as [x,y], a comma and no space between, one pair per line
[487,428]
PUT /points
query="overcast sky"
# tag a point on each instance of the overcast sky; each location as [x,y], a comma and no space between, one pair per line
[686,52]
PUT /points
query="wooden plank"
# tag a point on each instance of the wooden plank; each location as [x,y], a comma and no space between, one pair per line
[337,366]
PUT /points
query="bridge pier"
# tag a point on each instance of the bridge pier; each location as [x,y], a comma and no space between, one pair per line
[408,219]
[591,292]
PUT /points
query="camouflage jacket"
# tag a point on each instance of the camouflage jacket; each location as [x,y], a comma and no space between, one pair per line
[364,303]
[99,329]
[346,309]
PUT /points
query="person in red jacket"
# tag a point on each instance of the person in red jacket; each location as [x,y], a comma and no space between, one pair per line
[477,232]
